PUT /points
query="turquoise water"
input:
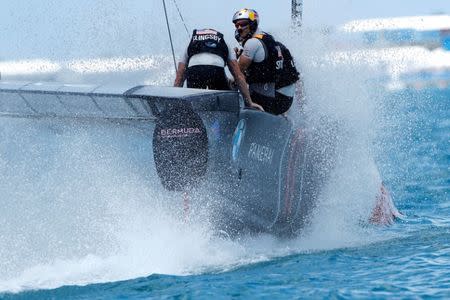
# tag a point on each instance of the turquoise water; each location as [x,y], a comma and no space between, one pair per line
[408,267]
[410,259]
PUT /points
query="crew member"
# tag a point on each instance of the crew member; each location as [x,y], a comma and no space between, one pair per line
[267,64]
[203,65]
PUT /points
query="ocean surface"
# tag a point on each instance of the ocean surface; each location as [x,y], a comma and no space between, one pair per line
[409,259]
[82,218]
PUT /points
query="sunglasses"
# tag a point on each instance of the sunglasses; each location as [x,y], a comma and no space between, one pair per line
[241,24]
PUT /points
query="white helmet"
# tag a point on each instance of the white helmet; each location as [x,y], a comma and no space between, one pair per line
[247,14]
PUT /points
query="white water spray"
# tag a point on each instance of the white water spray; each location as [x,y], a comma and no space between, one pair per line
[79,205]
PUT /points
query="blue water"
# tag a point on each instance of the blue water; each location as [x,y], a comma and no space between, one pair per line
[79,218]
[410,259]
[407,267]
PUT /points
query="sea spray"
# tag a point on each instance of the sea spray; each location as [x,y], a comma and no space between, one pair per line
[340,84]
[82,206]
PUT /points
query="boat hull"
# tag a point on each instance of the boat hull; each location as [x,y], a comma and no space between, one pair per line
[254,171]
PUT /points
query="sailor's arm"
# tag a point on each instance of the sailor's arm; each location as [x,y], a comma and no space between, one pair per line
[239,78]
[250,53]
[244,63]
[179,79]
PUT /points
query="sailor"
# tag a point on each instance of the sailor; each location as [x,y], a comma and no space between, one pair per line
[203,65]
[267,64]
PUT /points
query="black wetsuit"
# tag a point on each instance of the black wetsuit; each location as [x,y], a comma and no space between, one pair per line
[207,77]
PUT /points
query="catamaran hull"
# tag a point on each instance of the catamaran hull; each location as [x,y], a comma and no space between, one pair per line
[256,172]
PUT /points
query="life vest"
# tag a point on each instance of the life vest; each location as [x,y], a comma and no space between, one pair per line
[209,41]
[278,65]
[287,74]
[264,71]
